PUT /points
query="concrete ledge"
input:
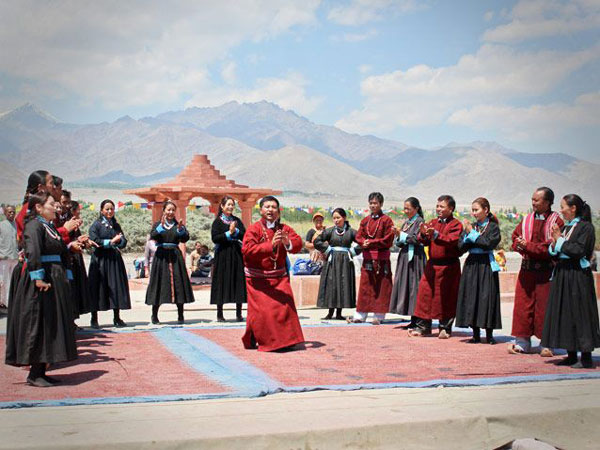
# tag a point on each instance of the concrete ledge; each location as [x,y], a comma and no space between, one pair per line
[564,413]
[306,287]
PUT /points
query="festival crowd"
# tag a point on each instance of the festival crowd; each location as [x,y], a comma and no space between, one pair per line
[46,286]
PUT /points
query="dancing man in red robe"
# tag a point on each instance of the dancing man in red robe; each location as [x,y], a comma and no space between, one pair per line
[272,321]
[438,288]
[531,239]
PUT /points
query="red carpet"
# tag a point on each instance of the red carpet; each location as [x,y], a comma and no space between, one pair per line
[111,365]
[383,354]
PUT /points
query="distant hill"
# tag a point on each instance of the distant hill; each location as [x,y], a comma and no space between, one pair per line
[261,144]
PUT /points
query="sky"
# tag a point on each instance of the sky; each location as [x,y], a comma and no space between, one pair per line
[525,74]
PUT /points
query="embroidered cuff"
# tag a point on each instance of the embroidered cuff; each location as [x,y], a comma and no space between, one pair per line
[106,243]
[228,235]
[559,243]
[402,237]
[37,274]
[353,251]
[472,236]
[181,231]
[289,247]
[436,234]
[160,229]
[69,275]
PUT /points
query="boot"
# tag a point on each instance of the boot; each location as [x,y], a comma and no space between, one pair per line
[35,377]
[154,318]
[220,317]
[586,361]
[476,339]
[338,316]
[569,360]
[329,315]
[489,335]
[94,321]
[238,312]
[180,313]
[117,322]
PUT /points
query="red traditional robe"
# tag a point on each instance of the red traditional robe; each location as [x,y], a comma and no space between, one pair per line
[272,320]
[376,282]
[438,288]
[533,283]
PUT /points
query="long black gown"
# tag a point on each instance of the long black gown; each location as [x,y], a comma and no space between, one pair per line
[337,286]
[169,280]
[409,268]
[40,324]
[479,290]
[571,320]
[109,286]
[80,289]
[228,283]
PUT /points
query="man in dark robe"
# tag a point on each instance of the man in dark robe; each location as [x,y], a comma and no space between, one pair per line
[272,321]
[438,288]
[531,239]
[375,236]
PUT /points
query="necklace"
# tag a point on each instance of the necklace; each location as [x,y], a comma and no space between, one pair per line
[49,228]
[484,225]
[372,236]
[226,219]
[568,234]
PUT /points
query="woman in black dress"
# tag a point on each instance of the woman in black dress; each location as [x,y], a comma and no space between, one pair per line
[80,289]
[229,282]
[40,322]
[109,286]
[337,287]
[479,290]
[169,280]
[411,262]
[571,320]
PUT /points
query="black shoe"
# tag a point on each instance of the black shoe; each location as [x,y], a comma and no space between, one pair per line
[340,317]
[38,382]
[180,319]
[51,380]
[94,324]
[568,361]
[118,323]
[328,317]
[154,320]
[474,340]
[239,318]
[491,340]
[220,319]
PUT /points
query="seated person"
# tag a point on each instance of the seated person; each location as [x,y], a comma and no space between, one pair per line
[201,261]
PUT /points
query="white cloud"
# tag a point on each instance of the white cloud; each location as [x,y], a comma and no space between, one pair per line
[530,19]
[228,73]
[356,37]
[360,12]
[488,16]
[288,92]
[365,68]
[535,121]
[136,52]
[424,95]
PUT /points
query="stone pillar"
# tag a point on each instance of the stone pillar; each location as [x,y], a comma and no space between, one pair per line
[246,207]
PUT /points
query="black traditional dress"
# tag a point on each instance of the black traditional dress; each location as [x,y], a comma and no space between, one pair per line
[80,289]
[409,268]
[337,287]
[169,280]
[479,290]
[228,283]
[109,286]
[40,324]
[572,313]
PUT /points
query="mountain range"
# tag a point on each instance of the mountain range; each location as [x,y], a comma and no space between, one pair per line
[262,145]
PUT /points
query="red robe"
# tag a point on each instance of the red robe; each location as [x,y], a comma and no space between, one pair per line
[533,286]
[376,281]
[438,288]
[272,320]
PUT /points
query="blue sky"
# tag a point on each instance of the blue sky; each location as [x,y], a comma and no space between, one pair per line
[523,73]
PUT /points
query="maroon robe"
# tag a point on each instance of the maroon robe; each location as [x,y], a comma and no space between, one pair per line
[438,288]
[272,320]
[533,283]
[376,282]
